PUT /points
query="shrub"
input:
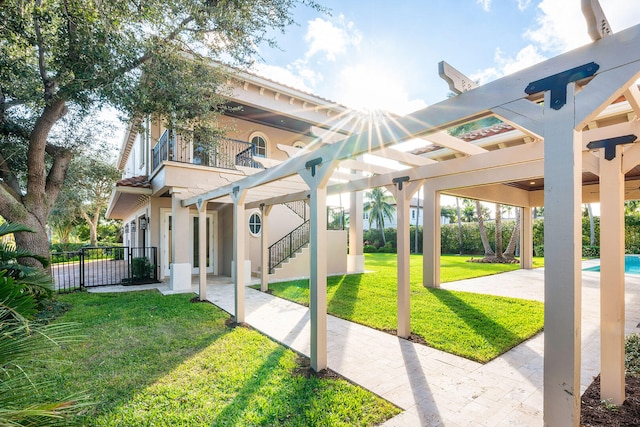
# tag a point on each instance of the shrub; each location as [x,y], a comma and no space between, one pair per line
[591,251]
[369,249]
[141,268]
[632,354]
[538,250]
[387,250]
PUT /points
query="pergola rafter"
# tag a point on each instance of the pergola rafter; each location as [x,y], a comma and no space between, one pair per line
[560,160]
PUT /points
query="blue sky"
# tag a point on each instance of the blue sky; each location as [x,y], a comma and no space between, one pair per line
[384,54]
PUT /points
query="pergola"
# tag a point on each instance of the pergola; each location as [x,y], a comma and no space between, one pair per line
[553,103]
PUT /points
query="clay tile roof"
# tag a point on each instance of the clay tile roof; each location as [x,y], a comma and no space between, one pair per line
[135,181]
[487,132]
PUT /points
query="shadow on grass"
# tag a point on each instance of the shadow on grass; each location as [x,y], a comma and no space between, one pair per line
[344,299]
[233,413]
[493,333]
[132,340]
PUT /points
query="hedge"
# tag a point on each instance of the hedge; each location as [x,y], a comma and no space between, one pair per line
[472,244]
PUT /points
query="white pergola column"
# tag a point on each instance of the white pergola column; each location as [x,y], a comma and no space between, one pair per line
[431,237]
[180,276]
[355,259]
[403,192]
[526,238]
[316,176]
[264,248]
[202,250]
[612,312]
[239,230]
[563,276]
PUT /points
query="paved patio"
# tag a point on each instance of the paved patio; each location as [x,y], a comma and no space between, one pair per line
[436,388]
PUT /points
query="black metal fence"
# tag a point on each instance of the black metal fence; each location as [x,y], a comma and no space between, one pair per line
[104,266]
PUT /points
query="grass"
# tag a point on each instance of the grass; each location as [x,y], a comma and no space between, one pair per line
[478,327]
[152,360]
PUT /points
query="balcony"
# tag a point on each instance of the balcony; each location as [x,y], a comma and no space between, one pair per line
[224,153]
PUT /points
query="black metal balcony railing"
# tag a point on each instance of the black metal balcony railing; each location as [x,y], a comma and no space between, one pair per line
[224,153]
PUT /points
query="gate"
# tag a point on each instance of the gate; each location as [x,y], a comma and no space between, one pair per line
[104,266]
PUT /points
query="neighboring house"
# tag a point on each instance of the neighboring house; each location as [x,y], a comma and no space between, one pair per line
[269,121]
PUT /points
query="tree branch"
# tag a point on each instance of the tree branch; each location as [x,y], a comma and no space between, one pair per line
[49,85]
[10,180]
[11,208]
[58,172]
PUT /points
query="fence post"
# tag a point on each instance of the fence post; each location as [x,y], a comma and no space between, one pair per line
[81,267]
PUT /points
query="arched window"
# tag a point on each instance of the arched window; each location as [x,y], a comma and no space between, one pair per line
[255,224]
[260,142]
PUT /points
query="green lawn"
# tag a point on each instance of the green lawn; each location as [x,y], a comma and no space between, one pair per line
[152,360]
[479,327]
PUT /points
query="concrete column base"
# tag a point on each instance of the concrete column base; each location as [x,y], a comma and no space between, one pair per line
[355,263]
[180,277]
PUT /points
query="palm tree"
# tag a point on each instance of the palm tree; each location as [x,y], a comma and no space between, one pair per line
[379,205]
[498,231]
[488,252]
[510,252]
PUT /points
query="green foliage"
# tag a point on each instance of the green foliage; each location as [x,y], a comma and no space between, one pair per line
[471,243]
[479,327]
[155,360]
[369,249]
[61,62]
[29,279]
[632,354]
[591,251]
[538,250]
[21,343]
[141,268]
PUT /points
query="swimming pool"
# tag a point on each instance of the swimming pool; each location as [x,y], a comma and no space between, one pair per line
[631,265]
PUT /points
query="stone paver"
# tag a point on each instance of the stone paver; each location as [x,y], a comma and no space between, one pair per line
[432,387]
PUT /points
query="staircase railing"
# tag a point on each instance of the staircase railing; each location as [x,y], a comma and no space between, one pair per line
[299,207]
[284,248]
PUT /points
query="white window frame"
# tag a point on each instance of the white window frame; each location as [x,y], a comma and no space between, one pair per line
[266,142]
[250,223]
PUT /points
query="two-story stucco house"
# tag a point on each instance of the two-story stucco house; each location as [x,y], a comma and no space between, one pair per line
[268,123]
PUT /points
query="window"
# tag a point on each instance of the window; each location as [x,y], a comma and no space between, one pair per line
[413,214]
[260,143]
[255,224]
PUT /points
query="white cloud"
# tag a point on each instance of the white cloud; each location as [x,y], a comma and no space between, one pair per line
[373,87]
[526,57]
[523,4]
[331,39]
[486,4]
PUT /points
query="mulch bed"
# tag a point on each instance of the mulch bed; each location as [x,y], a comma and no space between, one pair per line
[596,413]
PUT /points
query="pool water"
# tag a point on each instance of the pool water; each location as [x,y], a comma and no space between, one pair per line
[631,265]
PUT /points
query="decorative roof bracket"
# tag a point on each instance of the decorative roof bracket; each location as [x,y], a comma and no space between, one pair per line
[609,145]
[557,83]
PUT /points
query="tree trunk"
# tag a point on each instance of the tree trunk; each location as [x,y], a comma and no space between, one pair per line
[488,252]
[459,224]
[498,231]
[37,242]
[509,253]
[32,209]
[592,226]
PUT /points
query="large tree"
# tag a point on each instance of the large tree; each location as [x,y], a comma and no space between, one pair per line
[61,58]
[87,190]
